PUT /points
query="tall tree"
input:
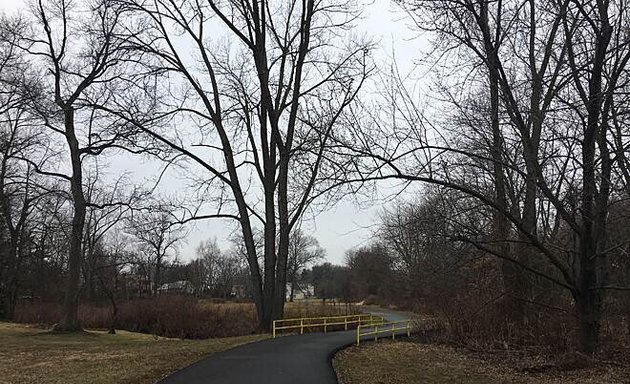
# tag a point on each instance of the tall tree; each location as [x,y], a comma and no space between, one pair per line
[20,187]
[555,67]
[74,47]
[259,111]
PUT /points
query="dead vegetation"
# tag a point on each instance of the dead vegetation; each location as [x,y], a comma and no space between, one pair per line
[415,362]
[176,316]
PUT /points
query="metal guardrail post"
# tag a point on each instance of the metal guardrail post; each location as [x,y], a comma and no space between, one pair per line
[408,328]
[345,323]
[274,329]
[301,326]
[376,333]
[359,334]
[324,325]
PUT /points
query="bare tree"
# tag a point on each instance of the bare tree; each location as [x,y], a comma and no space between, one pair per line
[20,186]
[304,251]
[260,112]
[208,255]
[158,235]
[215,272]
[550,73]
[107,209]
[75,47]
[370,269]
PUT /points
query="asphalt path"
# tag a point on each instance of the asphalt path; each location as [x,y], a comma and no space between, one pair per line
[294,359]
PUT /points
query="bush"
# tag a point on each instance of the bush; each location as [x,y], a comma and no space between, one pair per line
[175,316]
[168,316]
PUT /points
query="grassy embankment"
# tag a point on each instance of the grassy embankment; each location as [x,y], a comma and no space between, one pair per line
[387,362]
[33,355]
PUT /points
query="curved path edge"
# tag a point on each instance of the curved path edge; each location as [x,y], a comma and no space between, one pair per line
[305,359]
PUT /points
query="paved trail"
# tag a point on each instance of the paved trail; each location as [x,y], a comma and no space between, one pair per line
[297,359]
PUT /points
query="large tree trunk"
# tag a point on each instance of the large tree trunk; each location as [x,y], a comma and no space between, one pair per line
[283,241]
[589,308]
[511,272]
[13,283]
[70,311]
[594,207]
[269,283]
[10,257]
[9,283]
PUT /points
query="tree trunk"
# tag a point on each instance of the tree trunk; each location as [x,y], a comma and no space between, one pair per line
[9,284]
[594,207]
[157,276]
[589,307]
[70,311]
[269,282]
[252,256]
[510,271]
[283,241]
[292,293]
[13,287]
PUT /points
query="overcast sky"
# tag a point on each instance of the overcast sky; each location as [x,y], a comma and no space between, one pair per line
[347,225]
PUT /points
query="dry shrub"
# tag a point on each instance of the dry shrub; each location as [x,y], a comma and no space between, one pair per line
[185,317]
[169,316]
[176,316]
[471,321]
[37,313]
[296,310]
[310,310]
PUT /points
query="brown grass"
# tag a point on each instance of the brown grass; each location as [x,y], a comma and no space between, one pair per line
[411,362]
[31,355]
[316,308]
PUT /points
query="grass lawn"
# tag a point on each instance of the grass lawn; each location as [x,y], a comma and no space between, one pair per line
[32,355]
[399,362]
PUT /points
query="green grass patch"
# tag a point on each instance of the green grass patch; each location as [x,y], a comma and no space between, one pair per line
[33,355]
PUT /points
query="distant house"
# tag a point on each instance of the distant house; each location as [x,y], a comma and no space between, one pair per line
[300,291]
[182,286]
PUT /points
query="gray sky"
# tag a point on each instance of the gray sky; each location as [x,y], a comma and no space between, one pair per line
[346,225]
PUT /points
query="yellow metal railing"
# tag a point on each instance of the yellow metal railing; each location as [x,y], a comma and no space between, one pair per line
[325,322]
[384,327]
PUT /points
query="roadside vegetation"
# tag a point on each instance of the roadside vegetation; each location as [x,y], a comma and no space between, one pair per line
[413,362]
[34,355]
[177,316]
